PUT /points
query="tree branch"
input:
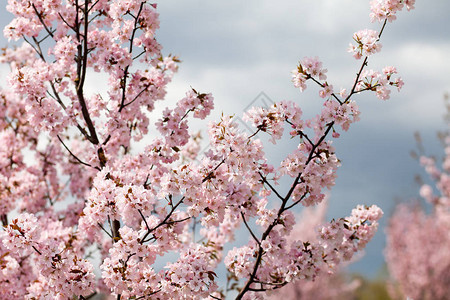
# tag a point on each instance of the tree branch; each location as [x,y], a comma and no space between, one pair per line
[74,156]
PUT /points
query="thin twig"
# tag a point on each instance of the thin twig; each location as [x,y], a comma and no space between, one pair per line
[249,229]
[125,73]
[264,180]
[164,222]
[323,86]
[65,22]
[109,234]
[297,180]
[74,156]
[42,21]
[143,218]
[138,95]
[92,6]
[296,202]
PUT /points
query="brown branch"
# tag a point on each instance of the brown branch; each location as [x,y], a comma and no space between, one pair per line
[4,219]
[92,6]
[143,218]
[323,86]
[211,173]
[296,182]
[362,67]
[280,212]
[264,180]
[250,230]
[39,252]
[138,95]
[109,234]
[164,222]
[74,156]
[296,202]
[301,133]
[125,73]
[65,22]
[39,15]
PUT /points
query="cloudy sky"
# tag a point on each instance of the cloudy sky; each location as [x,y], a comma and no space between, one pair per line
[238,49]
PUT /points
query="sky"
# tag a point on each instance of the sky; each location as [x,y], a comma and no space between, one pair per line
[239,49]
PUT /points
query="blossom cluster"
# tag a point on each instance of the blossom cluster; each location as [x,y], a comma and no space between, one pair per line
[382,10]
[289,261]
[127,269]
[272,120]
[336,283]
[309,67]
[91,192]
[412,232]
[173,124]
[366,43]
[380,82]
[60,272]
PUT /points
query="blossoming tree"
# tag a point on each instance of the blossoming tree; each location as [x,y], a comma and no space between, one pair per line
[418,243]
[325,286]
[72,189]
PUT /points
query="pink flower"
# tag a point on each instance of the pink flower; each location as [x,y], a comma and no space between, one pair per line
[327,91]
[367,43]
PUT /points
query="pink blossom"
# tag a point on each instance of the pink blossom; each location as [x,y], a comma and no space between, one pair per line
[307,68]
[327,91]
[366,43]
[387,9]
[86,184]
[414,232]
